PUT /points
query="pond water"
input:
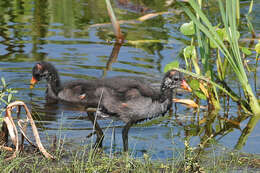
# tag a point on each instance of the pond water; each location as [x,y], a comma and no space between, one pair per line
[75,37]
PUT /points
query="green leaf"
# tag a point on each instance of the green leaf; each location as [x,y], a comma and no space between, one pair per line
[194,84]
[257,48]
[187,28]
[9,98]
[246,51]
[3,82]
[14,91]
[189,51]
[200,95]
[224,35]
[221,32]
[1,99]
[174,64]
[217,127]
[212,44]
[193,130]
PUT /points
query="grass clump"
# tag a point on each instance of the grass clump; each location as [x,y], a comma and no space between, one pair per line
[6,95]
[83,159]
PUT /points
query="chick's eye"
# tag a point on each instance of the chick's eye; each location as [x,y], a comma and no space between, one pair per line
[176,79]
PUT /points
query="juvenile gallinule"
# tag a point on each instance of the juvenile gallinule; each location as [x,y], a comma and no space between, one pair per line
[129,99]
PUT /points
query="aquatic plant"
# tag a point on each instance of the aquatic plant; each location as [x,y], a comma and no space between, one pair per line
[225,41]
[218,46]
[6,95]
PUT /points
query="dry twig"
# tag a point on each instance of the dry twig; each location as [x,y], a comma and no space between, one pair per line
[12,130]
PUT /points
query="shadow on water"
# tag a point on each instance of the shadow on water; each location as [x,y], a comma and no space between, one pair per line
[61,32]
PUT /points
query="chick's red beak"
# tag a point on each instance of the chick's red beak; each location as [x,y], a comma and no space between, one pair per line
[33,82]
[185,86]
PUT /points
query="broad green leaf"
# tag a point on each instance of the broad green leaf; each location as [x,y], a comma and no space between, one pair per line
[187,28]
[194,84]
[257,48]
[225,34]
[246,51]
[221,33]
[189,51]
[200,95]
[174,64]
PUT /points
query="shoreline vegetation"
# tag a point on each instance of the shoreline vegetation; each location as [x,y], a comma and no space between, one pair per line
[87,160]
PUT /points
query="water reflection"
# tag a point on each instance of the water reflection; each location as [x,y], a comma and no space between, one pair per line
[8,18]
[39,31]
[50,25]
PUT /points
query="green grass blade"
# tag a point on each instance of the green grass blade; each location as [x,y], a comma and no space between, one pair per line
[210,32]
[231,52]
[115,24]
[233,96]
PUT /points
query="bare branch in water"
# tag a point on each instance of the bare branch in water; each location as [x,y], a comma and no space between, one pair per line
[12,130]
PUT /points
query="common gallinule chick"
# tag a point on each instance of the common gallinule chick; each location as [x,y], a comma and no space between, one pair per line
[132,106]
[129,99]
[83,91]
[72,91]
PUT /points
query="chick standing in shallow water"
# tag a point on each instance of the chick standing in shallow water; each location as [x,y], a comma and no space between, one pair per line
[128,99]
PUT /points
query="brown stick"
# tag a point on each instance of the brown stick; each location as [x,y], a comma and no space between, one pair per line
[13,130]
[23,131]
[6,148]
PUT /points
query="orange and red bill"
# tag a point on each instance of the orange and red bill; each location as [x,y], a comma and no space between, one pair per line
[185,86]
[33,82]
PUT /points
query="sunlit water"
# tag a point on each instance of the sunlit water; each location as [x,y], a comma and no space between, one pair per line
[61,32]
